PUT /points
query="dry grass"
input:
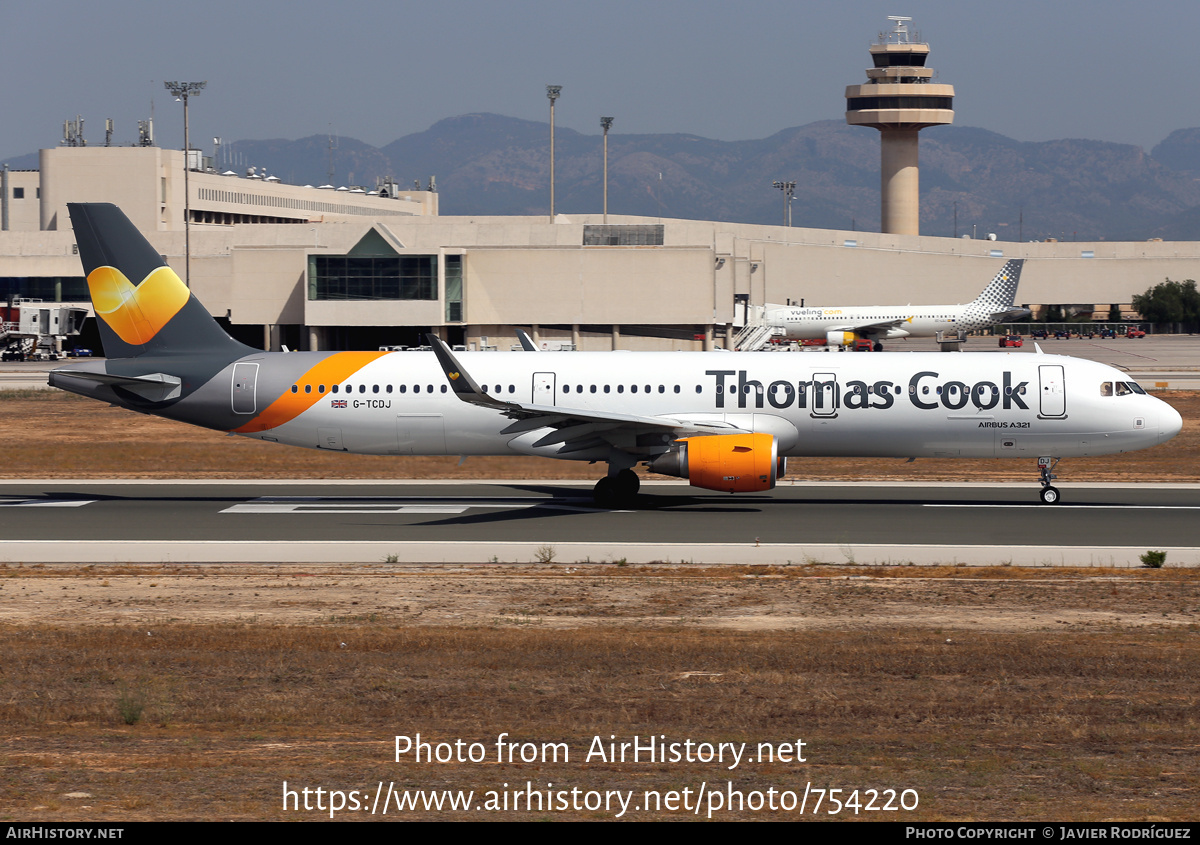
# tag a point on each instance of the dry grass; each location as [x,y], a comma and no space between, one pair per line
[63,435]
[930,683]
[1031,727]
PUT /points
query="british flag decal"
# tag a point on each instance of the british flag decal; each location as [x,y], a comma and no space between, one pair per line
[337,403]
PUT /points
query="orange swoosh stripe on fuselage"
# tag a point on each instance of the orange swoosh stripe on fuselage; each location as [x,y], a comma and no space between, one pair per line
[332,370]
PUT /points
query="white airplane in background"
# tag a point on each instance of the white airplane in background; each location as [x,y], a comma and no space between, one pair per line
[724,422]
[843,326]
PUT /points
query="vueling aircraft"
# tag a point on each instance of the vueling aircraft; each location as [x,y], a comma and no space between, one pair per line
[843,326]
[724,421]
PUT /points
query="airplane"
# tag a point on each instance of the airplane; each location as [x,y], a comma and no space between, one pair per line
[843,326]
[724,422]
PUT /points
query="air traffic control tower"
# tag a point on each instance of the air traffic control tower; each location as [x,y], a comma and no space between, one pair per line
[899,100]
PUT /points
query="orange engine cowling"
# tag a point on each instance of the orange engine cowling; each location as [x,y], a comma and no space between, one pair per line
[731,463]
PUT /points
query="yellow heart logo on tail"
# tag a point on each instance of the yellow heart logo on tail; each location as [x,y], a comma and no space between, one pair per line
[453,376]
[136,314]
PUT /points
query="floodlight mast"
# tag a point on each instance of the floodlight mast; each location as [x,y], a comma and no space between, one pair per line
[606,124]
[552,92]
[789,192]
[182,91]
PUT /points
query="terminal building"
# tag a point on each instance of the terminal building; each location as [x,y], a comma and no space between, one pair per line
[312,268]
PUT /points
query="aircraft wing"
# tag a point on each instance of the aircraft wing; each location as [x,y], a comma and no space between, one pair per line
[871,328]
[577,428]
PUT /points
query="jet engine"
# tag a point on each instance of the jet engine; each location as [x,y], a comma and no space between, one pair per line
[840,338]
[730,463]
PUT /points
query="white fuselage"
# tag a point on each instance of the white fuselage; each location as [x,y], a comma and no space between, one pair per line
[820,404]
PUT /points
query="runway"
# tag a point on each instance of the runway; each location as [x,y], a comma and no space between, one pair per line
[538,522]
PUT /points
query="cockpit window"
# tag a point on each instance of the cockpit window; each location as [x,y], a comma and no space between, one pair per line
[1120,388]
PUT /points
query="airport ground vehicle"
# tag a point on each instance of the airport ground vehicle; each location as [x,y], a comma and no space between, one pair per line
[1011,340]
[722,421]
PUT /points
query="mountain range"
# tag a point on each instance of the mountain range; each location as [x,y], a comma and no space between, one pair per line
[973,181]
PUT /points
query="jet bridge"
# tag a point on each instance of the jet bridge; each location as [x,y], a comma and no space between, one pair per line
[33,329]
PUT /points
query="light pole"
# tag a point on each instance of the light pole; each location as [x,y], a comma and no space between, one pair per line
[789,191]
[606,124]
[552,92]
[183,90]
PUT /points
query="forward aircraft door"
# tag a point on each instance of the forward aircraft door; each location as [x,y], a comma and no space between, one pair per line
[1053,393]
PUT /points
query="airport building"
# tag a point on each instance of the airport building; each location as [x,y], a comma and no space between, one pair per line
[324,268]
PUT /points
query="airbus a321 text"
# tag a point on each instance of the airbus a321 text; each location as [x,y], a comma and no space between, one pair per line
[723,421]
[843,326]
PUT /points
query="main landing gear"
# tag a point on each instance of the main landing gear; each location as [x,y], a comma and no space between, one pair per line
[614,489]
[1049,494]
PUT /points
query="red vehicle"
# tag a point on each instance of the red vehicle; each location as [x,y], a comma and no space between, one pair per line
[1135,333]
[1011,340]
[862,345]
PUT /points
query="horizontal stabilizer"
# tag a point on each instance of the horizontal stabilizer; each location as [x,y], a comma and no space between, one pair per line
[155,387]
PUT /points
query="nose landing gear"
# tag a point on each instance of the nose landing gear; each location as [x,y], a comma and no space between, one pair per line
[1049,494]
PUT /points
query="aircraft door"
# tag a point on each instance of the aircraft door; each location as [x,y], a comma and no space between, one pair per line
[824,400]
[543,388]
[1053,393]
[245,377]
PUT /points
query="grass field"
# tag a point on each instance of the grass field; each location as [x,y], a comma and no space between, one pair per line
[1002,694]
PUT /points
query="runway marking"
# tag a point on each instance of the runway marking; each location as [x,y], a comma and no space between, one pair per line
[296,507]
[392,505]
[1071,506]
[45,503]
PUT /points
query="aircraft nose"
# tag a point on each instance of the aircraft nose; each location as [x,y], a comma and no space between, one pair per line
[1170,423]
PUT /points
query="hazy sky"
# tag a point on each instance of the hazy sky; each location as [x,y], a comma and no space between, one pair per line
[380,69]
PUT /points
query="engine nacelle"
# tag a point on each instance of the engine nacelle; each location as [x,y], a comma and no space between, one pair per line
[833,338]
[731,463]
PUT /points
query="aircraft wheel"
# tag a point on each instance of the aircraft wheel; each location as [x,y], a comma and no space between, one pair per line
[627,483]
[878,346]
[605,492]
[1049,495]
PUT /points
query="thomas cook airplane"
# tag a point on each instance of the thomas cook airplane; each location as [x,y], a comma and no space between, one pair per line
[843,326]
[723,421]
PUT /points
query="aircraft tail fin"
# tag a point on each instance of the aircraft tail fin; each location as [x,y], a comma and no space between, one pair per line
[1001,292]
[142,307]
